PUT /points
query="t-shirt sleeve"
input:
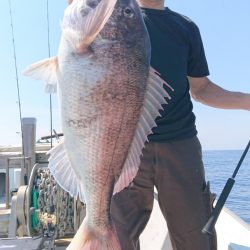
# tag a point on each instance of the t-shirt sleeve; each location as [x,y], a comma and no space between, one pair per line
[197,63]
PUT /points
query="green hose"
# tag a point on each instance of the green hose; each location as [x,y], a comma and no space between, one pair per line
[34,203]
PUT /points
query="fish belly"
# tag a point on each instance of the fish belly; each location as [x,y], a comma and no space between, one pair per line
[100,111]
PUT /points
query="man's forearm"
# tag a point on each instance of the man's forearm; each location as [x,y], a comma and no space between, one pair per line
[213,95]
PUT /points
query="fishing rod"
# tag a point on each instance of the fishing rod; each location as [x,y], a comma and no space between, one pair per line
[208,228]
[50,96]
[18,93]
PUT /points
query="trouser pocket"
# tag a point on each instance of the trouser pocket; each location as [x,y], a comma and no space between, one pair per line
[209,199]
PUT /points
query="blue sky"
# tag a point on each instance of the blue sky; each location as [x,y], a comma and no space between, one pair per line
[224,26]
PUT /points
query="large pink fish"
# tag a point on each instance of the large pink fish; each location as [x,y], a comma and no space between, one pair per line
[109,98]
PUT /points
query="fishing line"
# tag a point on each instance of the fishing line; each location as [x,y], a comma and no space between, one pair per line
[17,80]
[50,96]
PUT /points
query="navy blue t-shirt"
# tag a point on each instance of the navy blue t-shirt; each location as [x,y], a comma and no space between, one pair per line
[177,52]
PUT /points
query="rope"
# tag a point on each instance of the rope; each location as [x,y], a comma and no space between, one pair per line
[17,80]
[50,96]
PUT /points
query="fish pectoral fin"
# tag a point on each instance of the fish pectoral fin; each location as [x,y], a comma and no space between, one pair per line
[155,97]
[60,167]
[81,31]
[45,70]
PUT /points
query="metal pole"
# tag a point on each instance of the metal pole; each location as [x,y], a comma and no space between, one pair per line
[29,140]
[7,186]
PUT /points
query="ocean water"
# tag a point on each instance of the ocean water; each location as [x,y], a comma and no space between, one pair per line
[219,166]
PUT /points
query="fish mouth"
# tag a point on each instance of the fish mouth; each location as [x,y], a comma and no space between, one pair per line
[81,8]
[76,14]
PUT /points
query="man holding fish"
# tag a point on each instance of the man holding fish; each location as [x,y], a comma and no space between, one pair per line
[172,160]
[128,123]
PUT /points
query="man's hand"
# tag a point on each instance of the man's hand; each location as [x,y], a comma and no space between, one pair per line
[208,93]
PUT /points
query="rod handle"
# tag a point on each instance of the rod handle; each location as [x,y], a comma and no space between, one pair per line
[208,228]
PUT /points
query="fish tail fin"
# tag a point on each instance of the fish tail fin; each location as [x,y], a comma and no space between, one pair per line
[93,239]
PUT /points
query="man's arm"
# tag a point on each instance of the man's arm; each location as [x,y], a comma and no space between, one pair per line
[208,93]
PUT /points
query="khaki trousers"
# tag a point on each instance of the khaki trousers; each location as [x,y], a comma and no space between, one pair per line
[176,170]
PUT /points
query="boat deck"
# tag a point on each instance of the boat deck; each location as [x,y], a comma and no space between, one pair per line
[232,232]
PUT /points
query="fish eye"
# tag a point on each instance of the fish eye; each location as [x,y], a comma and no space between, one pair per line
[128,12]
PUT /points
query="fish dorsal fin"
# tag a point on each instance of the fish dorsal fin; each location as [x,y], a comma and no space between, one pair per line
[154,98]
[45,70]
[60,167]
[81,30]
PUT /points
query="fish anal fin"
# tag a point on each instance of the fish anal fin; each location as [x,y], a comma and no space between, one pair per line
[60,167]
